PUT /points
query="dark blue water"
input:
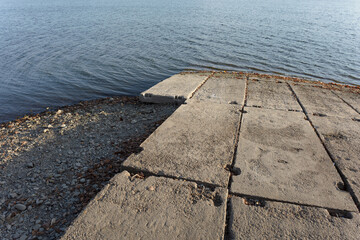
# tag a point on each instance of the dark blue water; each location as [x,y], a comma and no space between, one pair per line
[57,52]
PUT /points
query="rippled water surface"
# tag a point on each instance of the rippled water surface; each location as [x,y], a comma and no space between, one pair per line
[58,52]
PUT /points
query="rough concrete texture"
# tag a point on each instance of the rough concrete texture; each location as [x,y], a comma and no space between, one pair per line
[175,89]
[196,142]
[152,208]
[272,95]
[351,98]
[223,89]
[342,139]
[287,221]
[258,78]
[281,158]
[321,101]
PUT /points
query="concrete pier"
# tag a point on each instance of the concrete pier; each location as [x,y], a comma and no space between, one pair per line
[247,156]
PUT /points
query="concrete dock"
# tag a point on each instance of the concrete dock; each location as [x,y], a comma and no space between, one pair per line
[245,156]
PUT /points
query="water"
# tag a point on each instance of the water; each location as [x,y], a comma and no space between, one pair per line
[58,52]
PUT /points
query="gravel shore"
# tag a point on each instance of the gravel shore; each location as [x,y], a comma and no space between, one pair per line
[52,164]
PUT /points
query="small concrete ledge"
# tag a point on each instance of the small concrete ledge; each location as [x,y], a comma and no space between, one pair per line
[176,89]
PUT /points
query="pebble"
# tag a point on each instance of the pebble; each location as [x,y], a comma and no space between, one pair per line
[37,227]
[53,221]
[12,195]
[23,237]
[232,102]
[30,165]
[50,191]
[59,112]
[20,207]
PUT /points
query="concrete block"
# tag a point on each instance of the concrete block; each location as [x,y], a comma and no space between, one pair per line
[152,208]
[287,221]
[272,95]
[175,89]
[196,142]
[223,88]
[342,139]
[280,157]
[321,101]
[351,98]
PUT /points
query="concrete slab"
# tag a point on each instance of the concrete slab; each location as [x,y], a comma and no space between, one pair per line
[320,101]
[287,221]
[152,208]
[194,143]
[272,95]
[280,78]
[269,78]
[281,158]
[351,98]
[223,89]
[342,138]
[175,89]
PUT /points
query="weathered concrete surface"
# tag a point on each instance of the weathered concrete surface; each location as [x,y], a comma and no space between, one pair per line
[287,221]
[272,95]
[281,158]
[175,89]
[223,89]
[351,98]
[342,139]
[317,100]
[196,142]
[154,208]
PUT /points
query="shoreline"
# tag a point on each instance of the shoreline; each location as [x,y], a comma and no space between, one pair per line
[53,163]
[331,85]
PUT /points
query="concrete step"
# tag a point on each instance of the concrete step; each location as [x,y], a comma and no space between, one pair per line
[321,101]
[271,95]
[194,143]
[223,88]
[342,139]
[280,157]
[175,89]
[152,208]
[276,220]
[353,99]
